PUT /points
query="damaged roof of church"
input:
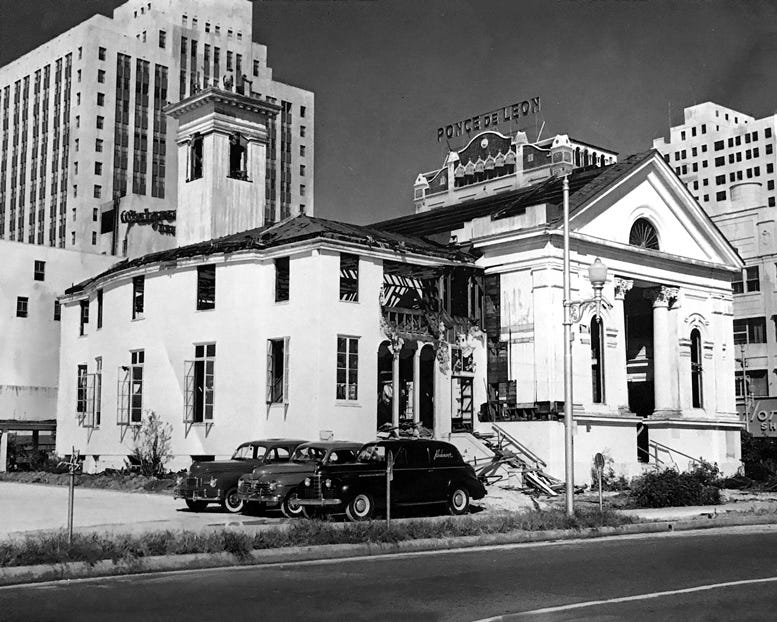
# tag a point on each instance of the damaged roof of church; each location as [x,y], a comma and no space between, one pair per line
[297,229]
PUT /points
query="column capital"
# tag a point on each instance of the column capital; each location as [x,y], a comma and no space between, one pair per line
[661,296]
[622,286]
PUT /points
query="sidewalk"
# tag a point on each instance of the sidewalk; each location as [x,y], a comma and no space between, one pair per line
[698,511]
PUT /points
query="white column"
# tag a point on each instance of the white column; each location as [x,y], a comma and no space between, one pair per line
[417,382]
[662,351]
[395,389]
[617,391]
[3,451]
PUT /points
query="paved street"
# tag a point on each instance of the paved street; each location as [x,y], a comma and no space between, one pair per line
[452,586]
[33,507]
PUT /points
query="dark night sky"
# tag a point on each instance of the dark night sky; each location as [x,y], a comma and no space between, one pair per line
[386,73]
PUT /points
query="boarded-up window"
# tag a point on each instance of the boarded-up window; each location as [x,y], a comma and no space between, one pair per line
[278,370]
[349,277]
[206,287]
[281,279]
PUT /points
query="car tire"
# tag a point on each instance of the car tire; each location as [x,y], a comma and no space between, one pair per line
[360,508]
[458,501]
[196,506]
[231,502]
[290,507]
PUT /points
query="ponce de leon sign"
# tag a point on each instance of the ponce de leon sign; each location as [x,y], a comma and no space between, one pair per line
[489,119]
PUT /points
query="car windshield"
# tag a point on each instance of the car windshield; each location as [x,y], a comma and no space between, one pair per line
[308,454]
[372,453]
[246,452]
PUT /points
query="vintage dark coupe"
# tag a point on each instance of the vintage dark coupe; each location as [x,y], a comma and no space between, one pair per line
[424,472]
[276,484]
[216,481]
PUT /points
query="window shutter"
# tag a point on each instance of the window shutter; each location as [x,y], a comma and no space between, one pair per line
[188,392]
[269,371]
[91,380]
[122,396]
[286,370]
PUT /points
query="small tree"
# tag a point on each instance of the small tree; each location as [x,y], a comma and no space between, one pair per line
[152,445]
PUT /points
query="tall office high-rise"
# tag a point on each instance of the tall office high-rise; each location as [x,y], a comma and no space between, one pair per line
[84,136]
[727,160]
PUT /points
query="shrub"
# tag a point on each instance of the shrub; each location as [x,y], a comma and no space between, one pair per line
[669,488]
[152,448]
[759,456]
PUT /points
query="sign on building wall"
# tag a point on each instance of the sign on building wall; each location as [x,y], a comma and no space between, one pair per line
[762,418]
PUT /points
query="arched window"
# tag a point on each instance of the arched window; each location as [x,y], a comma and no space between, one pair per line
[643,234]
[696,370]
[597,361]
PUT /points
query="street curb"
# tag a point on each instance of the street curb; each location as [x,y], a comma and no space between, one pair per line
[14,575]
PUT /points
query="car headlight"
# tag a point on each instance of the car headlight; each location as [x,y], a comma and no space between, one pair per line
[328,483]
[307,481]
[213,482]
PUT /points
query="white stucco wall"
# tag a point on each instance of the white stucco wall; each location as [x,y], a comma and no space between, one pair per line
[245,317]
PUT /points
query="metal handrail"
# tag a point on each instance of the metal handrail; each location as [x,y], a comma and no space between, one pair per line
[671,450]
[658,461]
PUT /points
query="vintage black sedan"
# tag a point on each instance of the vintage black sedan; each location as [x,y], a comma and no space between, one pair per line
[216,481]
[276,484]
[424,472]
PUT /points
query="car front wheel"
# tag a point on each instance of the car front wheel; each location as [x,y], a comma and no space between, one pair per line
[195,506]
[290,507]
[232,503]
[458,500]
[361,507]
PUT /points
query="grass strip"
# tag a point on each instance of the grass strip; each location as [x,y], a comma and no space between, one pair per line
[52,548]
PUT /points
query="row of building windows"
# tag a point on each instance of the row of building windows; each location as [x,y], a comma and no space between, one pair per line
[206,289]
[199,382]
[216,27]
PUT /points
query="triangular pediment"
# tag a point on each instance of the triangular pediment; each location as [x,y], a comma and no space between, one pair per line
[653,193]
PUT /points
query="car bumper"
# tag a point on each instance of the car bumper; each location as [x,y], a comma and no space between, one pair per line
[197,494]
[319,503]
[256,497]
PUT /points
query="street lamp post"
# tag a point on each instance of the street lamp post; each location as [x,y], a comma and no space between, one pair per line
[597,275]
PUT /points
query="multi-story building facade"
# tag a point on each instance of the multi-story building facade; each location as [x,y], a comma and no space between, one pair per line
[85,145]
[727,160]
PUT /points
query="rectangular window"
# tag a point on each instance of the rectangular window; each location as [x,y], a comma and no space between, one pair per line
[750,330]
[347,368]
[749,283]
[720,161]
[281,279]
[100,122]
[302,131]
[138,296]
[101,76]
[136,386]
[22,304]
[81,390]
[757,384]
[98,168]
[278,371]
[99,308]
[101,53]
[39,271]
[719,144]
[302,150]
[100,99]
[720,196]
[229,60]
[720,179]
[98,192]
[98,145]
[206,287]
[256,68]
[199,384]
[57,311]
[349,277]
[162,39]
[83,316]
[302,111]
[302,170]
